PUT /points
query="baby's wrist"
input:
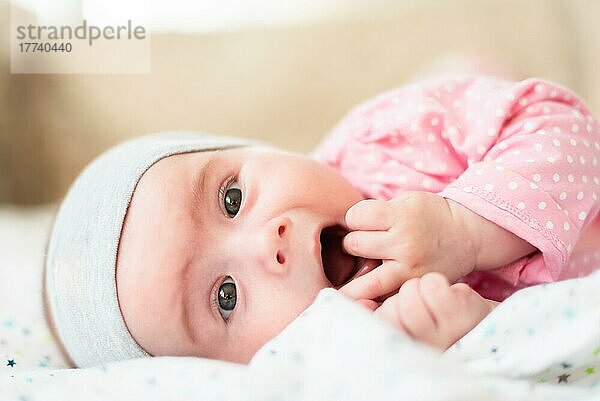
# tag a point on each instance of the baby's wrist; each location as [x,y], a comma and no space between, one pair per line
[483,237]
[467,229]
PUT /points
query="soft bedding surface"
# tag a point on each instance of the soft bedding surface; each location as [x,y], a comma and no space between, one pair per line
[543,343]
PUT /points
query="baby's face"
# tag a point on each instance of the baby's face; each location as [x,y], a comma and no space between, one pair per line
[221,250]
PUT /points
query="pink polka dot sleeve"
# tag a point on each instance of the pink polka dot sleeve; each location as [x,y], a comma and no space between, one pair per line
[523,155]
[533,169]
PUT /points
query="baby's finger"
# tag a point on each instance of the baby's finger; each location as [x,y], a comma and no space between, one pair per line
[367,244]
[469,298]
[437,296]
[410,311]
[380,281]
[369,214]
[369,304]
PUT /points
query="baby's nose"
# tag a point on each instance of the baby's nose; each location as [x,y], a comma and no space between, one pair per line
[272,244]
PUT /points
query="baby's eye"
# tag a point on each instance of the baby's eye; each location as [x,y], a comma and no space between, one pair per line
[227,297]
[232,199]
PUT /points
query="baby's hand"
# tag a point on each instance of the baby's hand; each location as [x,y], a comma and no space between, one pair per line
[414,233]
[432,311]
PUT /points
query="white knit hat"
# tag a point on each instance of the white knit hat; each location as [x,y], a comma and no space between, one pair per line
[80,276]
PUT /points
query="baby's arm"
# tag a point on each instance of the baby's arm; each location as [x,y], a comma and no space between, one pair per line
[531,168]
[522,157]
[432,311]
[420,232]
[485,236]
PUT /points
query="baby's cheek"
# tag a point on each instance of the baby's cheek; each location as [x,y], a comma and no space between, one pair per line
[277,310]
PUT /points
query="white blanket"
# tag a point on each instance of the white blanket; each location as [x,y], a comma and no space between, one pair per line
[543,343]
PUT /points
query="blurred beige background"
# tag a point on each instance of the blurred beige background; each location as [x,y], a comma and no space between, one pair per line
[286,84]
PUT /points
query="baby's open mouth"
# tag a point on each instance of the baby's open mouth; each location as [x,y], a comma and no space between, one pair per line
[339,266]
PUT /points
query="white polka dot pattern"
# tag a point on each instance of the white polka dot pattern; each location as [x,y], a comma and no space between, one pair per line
[522,157]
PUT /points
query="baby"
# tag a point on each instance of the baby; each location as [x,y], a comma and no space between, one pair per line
[188,244]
